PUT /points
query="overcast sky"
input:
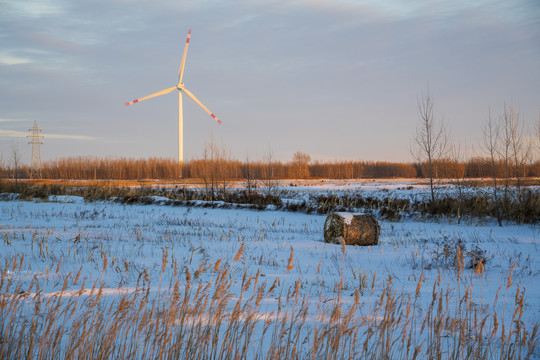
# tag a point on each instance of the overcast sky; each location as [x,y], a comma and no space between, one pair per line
[338,79]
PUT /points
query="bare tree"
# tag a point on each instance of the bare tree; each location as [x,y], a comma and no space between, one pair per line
[431,139]
[516,149]
[15,160]
[269,171]
[457,156]
[209,173]
[521,151]
[214,172]
[505,139]
[537,137]
[538,130]
[3,170]
[206,172]
[300,162]
[223,158]
[491,135]
[248,175]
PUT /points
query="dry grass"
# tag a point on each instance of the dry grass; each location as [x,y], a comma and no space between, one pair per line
[223,317]
[198,183]
[478,204]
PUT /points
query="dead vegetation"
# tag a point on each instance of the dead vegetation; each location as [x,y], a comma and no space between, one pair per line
[477,203]
[219,316]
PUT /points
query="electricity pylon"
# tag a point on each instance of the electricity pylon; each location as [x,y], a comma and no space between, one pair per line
[35,165]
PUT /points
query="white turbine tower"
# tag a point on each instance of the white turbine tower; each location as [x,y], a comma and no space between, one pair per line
[180,87]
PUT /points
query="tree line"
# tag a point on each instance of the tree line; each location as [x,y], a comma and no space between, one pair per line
[217,169]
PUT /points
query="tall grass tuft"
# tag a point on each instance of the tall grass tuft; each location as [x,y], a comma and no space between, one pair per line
[219,316]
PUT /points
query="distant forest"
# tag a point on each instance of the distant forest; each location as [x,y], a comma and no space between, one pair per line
[217,167]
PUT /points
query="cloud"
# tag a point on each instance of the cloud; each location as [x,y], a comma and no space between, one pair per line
[65,136]
[7,59]
[34,9]
[295,64]
[502,11]
[12,120]
[13,133]
[16,133]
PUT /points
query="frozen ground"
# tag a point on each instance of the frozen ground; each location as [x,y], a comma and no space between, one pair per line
[117,245]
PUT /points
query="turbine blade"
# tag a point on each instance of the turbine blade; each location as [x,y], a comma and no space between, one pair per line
[162,92]
[188,93]
[181,71]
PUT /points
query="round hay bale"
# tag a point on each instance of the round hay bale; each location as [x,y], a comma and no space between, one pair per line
[351,229]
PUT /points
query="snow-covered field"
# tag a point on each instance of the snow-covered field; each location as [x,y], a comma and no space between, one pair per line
[273,274]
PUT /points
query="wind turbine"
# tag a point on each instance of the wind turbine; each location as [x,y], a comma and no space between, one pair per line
[180,87]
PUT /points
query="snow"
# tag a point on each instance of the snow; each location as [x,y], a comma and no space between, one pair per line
[347,217]
[79,235]
[65,199]
[8,196]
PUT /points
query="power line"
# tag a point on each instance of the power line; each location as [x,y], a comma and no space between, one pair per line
[35,165]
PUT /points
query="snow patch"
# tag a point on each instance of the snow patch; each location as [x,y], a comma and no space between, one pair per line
[66,199]
[347,217]
[8,196]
